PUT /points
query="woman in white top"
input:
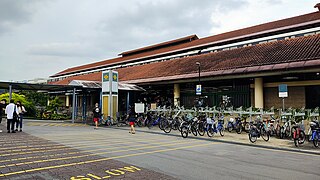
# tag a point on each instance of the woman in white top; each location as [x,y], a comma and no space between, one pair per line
[21,111]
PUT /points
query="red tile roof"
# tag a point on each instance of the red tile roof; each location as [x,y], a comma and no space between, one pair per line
[274,56]
[271,27]
[161,45]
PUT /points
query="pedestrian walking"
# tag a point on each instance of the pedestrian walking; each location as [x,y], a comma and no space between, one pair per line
[132,119]
[96,115]
[2,108]
[22,111]
[12,115]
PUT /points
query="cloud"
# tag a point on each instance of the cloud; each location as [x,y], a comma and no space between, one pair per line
[63,49]
[38,38]
[15,13]
[143,23]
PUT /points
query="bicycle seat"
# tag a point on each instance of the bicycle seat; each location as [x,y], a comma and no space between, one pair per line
[295,126]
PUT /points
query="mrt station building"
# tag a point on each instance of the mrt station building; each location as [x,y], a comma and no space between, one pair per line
[247,65]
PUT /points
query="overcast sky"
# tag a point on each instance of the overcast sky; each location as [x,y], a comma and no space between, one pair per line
[39,38]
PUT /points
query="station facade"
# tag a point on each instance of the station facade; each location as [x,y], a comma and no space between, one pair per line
[247,65]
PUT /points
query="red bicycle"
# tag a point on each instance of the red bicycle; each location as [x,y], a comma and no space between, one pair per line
[298,135]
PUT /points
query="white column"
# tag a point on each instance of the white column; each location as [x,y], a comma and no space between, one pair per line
[67,100]
[258,93]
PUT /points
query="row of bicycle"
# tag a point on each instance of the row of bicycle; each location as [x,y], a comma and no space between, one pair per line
[200,123]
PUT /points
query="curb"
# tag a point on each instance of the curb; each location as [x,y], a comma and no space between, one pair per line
[232,142]
[40,120]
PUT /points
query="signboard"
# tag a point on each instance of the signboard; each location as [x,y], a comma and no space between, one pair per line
[114,82]
[105,76]
[283,90]
[198,89]
[106,81]
[153,106]
[139,107]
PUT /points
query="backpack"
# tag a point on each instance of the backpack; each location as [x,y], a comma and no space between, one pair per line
[15,115]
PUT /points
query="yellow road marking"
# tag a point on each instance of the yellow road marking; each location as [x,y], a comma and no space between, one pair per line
[113,143]
[94,154]
[60,145]
[55,124]
[98,138]
[103,159]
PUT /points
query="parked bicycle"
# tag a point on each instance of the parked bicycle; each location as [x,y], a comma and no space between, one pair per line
[257,131]
[235,124]
[298,135]
[189,126]
[215,127]
[315,137]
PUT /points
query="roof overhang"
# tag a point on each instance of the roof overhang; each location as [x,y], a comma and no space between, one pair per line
[37,87]
[241,72]
[98,85]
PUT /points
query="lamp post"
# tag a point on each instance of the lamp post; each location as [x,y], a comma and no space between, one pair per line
[198,88]
[198,64]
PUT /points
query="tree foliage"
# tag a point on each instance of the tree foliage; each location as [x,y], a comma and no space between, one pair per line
[22,98]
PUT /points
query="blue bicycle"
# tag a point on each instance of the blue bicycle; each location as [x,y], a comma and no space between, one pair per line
[235,125]
[214,127]
[315,137]
[156,120]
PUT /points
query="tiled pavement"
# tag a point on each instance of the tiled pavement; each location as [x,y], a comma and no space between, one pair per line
[23,156]
[79,152]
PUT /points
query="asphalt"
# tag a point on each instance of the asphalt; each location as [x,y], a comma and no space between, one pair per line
[156,154]
[24,156]
[242,139]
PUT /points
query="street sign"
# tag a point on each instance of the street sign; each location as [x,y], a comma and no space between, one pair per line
[283,90]
[198,89]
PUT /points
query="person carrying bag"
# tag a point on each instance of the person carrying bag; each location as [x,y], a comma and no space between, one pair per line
[12,116]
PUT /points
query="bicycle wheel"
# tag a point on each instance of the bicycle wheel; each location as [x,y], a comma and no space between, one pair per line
[161,122]
[194,130]
[247,127]
[167,127]
[278,131]
[201,129]
[210,132]
[264,134]
[221,131]
[139,121]
[229,128]
[239,128]
[302,137]
[287,132]
[282,133]
[316,141]
[174,125]
[252,135]
[149,125]
[184,131]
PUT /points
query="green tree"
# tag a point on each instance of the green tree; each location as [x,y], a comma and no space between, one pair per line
[54,104]
[37,98]
[20,97]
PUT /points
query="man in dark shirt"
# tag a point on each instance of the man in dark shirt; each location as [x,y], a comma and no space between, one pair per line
[96,115]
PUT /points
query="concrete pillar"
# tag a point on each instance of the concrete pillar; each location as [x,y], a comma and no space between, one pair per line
[176,94]
[258,93]
[73,104]
[10,93]
[67,100]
